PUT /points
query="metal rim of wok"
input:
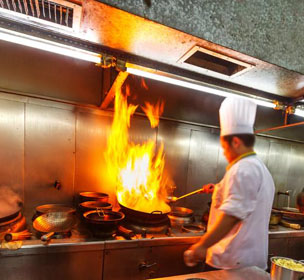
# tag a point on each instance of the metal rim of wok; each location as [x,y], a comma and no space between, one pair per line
[94,205]
[10,217]
[181,212]
[54,222]
[46,208]
[155,217]
[96,196]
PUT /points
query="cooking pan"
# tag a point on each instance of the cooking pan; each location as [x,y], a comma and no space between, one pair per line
[103,223]
[94,205]
[46,208]
[10,217]
[155,217]
[290,214]
[93,196]
[54,222]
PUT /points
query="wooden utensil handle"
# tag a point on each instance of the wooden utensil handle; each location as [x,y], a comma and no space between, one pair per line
[294,226]
[47,237]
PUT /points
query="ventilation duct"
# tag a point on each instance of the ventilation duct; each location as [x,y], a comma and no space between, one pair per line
[201,58]
[58,14]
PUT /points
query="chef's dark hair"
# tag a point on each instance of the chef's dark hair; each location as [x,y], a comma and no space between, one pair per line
[248,139]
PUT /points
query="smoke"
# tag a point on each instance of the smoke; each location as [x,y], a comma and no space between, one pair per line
[10,201]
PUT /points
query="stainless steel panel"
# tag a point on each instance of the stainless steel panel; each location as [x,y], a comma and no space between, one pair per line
[12,144]
[147,262]
[37,72]
[295,179]
[296,248]
[176,141]
[277,247]
[261,147]
[278,165]
[53,265]
[169,261]
[123,264]
[203,159]
[91,174]
[49,155]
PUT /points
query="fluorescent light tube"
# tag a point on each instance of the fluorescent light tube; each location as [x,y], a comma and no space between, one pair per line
[46,45]
[188,83]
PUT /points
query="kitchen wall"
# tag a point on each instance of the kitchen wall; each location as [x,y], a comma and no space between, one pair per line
[44,141]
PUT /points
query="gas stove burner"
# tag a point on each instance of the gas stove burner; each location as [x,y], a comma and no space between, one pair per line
[162,228]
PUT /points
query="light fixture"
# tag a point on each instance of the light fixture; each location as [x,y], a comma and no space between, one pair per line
[46,45]
[192,84]
[299,112]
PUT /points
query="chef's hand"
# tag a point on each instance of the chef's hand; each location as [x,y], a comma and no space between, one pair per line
[196,253]
[209,188]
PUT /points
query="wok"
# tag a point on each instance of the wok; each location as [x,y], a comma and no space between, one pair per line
[94,205]
[96,196]
[155,217]
[54,222]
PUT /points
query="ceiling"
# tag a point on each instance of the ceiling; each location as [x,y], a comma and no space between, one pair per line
[188,24]
[120,30]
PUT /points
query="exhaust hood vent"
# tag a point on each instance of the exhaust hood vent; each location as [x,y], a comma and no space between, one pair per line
[201,58]
[57,13]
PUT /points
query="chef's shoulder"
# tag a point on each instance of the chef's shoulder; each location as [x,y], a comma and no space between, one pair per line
[248,168]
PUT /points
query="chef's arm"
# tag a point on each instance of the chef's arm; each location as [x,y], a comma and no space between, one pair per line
[223,224]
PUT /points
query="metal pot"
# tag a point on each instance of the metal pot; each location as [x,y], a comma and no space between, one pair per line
[103,223]
[93,196]
[275,218]
[281,273]
[180,216]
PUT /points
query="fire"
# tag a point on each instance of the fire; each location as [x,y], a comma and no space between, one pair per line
[138,169]
[153,112]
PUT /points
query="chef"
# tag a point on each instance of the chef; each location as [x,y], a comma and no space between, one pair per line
[237,232]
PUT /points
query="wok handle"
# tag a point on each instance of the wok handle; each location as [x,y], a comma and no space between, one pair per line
[47,237]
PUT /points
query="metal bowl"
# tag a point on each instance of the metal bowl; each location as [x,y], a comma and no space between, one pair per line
[282,273]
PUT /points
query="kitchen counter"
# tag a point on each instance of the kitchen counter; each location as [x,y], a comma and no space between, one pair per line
[248,273]
[82,257]
[281,232]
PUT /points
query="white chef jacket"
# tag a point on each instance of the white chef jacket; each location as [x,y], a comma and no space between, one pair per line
[245,192]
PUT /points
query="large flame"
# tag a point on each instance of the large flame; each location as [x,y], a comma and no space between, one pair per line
[138,169]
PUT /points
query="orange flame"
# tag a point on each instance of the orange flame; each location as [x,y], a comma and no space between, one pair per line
[138,169]
[143,84]
[153,112]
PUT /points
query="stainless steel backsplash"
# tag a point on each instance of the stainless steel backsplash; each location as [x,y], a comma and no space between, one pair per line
[44,141]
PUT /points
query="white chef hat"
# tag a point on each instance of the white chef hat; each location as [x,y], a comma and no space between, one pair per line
[237,115]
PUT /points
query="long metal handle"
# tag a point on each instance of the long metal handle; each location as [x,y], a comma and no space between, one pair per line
[206,188]
[188,194]
[47,237]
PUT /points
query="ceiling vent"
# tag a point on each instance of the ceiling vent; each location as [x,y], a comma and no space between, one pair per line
[200,58]
[54,14]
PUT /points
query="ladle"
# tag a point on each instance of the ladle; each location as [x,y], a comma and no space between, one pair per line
[205,189]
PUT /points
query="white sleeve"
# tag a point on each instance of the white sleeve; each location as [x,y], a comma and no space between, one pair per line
[241,191]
